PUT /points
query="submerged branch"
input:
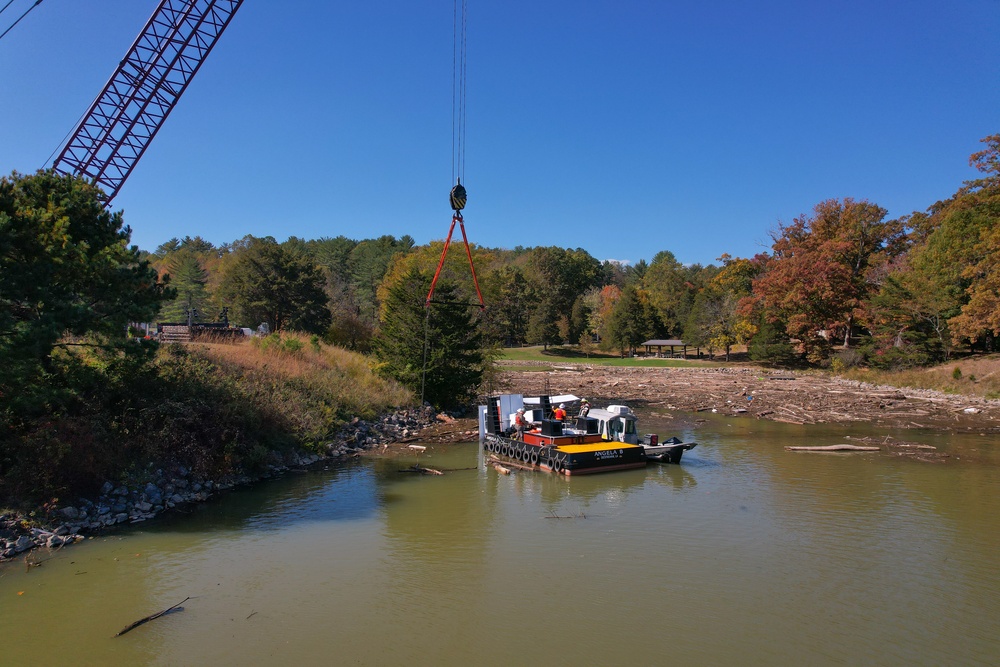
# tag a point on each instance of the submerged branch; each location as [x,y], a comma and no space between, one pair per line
[133,626]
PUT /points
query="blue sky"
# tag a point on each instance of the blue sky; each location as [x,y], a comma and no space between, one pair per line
[624,128]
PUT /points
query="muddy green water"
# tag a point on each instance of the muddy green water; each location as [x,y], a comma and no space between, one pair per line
[744,555]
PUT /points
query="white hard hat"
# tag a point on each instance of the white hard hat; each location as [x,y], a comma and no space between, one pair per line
[562,405]
[520,409]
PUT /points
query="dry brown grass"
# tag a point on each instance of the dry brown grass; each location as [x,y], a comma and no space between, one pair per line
[971,376]
[315,385]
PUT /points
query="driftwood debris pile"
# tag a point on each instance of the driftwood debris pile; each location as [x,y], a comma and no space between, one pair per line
[795,398]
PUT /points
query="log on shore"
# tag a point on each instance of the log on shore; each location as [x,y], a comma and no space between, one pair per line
[835,448]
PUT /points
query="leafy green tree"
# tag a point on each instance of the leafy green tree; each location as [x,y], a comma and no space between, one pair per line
[712,321]
[334,254]
[972,218]
[579,320]
[368,264]
[715,320]
[280,286]
[630,322]
[602,303]
[561,275]
[617,273]
[671,290]
[435,351]
[510,304]
[543,328]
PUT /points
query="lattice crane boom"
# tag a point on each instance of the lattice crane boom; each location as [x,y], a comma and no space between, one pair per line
[148,82]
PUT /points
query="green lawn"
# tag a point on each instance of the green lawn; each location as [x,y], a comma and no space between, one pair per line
[570,354]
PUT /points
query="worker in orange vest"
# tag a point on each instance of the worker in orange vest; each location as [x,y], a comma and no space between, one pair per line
[560,412]
[520,424]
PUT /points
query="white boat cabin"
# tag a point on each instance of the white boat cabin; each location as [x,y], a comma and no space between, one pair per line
[617,423]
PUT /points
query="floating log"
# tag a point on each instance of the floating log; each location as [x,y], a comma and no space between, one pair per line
[422,471]
[835,448]
[511,464]
[133,626]
[419,448]
[500,469]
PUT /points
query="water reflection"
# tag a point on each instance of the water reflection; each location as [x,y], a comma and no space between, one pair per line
[753,554]
[341,492]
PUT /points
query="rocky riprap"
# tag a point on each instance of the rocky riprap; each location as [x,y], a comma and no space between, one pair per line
[166,489]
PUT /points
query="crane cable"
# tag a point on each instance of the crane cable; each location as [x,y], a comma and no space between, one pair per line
[26,12]
[458,71]
[458,196]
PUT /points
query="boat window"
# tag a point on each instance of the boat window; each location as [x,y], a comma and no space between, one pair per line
[616,426]
[630,427]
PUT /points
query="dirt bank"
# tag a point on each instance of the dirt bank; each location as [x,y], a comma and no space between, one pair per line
[749,392]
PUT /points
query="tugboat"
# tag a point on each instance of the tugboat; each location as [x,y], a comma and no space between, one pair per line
[618,423]
[602,441]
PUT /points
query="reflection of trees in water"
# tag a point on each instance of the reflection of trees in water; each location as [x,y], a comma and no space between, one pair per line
[438,519]
[344,492]
[868,503]
[438,532]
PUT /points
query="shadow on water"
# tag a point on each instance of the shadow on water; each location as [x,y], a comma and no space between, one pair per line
[346,491]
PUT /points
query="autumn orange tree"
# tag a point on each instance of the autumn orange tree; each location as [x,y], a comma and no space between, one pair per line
[943,291]
[818,277]
[979,202]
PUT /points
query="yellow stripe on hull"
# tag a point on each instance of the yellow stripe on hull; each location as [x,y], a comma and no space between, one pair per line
[594,447]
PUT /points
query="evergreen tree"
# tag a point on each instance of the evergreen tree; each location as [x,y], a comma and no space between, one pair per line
[189,279]
[771,344]
[280,286]
[630,322]
[65,267]
[450,368]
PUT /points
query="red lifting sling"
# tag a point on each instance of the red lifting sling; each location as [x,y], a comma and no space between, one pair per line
[458,198]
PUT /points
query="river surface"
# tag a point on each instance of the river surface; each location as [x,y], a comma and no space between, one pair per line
[745,554]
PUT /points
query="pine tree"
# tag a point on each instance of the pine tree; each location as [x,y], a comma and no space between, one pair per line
[450,369]
[189,278]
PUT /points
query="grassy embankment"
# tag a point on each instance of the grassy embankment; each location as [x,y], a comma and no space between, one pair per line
[212,408]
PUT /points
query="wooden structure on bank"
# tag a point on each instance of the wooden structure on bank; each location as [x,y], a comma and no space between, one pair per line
[671,343]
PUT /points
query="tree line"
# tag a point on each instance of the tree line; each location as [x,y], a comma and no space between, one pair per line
[886,292]
[841,284]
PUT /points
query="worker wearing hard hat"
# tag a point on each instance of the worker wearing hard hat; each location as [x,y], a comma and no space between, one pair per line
[520,424]
[560,412]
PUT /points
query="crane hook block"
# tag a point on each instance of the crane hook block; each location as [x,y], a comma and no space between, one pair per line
[458,197]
